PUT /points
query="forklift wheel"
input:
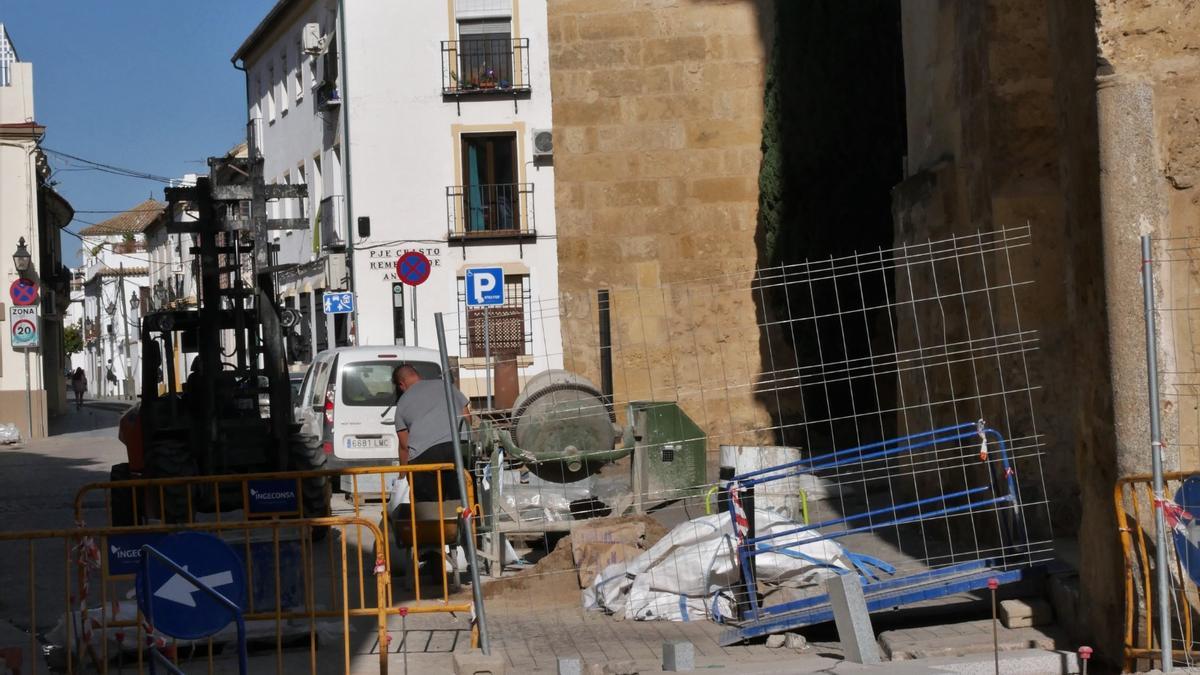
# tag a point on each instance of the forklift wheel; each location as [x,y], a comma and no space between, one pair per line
[121,514]
[172,459]
[316,493]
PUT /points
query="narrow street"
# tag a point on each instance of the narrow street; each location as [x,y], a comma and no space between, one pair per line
[42,477]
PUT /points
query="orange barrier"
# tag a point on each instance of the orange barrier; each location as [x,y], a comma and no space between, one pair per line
[102,629]
[1133,497]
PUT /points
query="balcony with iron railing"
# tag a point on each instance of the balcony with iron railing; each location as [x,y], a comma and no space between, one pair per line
[485,66]
[331,219]
[490,211]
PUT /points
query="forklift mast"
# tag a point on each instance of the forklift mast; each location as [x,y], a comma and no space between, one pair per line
[237,267]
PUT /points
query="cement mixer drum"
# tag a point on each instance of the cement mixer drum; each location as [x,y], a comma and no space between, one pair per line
[563,420]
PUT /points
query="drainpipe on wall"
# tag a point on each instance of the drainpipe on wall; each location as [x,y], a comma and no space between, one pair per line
[346,164]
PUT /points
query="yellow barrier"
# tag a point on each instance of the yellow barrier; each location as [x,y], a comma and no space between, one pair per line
[150,495]
[1134,501]
[117,623]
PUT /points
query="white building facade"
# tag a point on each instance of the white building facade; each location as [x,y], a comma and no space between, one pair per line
[32,382]
[421,119]
[116,282]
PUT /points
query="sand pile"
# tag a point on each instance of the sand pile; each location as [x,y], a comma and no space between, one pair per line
[554,580]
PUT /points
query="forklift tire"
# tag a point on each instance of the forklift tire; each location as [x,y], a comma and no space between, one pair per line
[171,459]
[316,493]
[121,512]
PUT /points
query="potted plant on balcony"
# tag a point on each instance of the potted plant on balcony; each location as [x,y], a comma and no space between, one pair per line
[462,84]
[488,81]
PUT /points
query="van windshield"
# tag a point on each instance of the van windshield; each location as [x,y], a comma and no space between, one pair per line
[369,383]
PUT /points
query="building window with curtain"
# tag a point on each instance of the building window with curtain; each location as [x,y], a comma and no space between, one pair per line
[489,183]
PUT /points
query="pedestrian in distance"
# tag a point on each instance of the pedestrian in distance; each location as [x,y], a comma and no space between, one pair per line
[79,386]
[425,432]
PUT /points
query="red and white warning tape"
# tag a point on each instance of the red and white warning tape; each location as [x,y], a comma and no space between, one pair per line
[741,522]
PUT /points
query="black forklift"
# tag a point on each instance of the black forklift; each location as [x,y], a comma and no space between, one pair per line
[232,413]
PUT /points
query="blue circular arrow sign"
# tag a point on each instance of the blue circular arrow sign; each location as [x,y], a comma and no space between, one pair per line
[176,606]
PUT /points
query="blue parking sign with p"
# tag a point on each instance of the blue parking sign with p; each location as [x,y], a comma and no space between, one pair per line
[485,286]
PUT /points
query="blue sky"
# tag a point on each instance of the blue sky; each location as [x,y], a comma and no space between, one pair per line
[140,84]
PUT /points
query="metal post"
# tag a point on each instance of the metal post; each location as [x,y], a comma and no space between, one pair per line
[416,332]
[472,559]
[994,584]
[1160,532]
[28,395]
[347,165]
[487,356]
[125,320]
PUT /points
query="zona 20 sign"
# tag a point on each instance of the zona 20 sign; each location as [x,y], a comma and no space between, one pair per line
[24,323]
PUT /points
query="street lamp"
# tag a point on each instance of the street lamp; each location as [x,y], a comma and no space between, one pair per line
[112,308]
[21,259]
[135,303]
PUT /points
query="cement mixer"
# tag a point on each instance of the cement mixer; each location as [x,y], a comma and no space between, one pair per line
[565,432]
[562,428]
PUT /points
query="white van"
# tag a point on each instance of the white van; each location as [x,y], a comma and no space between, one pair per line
[347,403]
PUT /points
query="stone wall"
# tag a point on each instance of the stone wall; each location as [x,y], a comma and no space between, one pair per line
[657,124]
[1091,154]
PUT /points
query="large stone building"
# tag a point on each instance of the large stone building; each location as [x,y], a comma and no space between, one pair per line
[700,139]
[658,111]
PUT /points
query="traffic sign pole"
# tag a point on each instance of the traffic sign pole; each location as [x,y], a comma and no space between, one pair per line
[487,356]
[28,395]
[413,268]
[485,288]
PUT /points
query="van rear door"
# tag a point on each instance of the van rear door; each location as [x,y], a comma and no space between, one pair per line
[364,394]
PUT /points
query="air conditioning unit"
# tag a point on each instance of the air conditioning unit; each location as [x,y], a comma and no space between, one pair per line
[311,40]
[543,143]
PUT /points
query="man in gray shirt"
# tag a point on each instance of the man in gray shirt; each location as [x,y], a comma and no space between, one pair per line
[425,433]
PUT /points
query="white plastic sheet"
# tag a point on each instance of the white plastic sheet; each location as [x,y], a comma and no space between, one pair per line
[687,574]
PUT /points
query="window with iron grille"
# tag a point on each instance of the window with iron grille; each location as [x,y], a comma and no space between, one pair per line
[510,325]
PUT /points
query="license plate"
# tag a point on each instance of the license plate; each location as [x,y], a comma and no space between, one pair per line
[366,443]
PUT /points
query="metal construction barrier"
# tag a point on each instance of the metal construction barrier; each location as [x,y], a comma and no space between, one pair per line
[987,500]
[279,496]
[99,627]
[1136,508]
[285,545]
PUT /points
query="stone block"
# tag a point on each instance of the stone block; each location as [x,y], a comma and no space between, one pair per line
[590,112]
[679,656]
[673,50]
[670,107]
[852,618]
[775,641]
[1025,613]
[724,189]
[618,26]
[705,134]
[475,663]
[795,641]
[570,666]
